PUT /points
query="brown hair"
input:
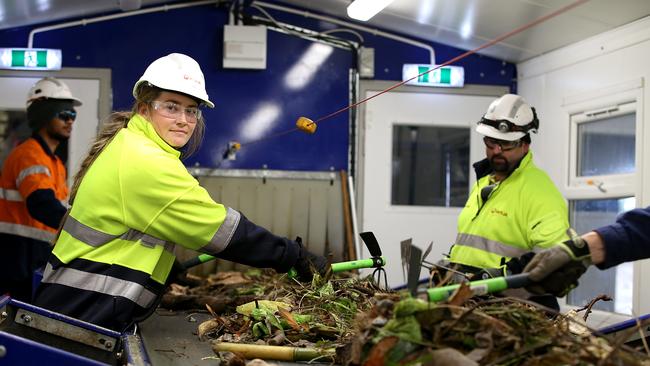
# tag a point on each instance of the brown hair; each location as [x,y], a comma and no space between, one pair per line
[145,94]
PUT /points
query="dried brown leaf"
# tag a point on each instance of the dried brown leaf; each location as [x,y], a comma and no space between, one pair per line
[462,294]
[207,327]
[290,320]
[228,279]
[379,351]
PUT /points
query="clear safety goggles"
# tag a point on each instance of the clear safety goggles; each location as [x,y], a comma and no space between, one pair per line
[175,110]
[492,144]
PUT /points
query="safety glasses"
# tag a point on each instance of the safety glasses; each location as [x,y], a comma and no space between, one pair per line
[67,115]
[491,143]
[175,111]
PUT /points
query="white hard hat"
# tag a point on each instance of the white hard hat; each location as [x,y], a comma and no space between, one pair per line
[51,88]
[508,118]
[176,72]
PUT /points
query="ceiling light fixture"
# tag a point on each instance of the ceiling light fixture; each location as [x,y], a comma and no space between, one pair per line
[366,9]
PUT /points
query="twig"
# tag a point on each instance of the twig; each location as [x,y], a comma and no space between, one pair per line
[592,303]
[639,327]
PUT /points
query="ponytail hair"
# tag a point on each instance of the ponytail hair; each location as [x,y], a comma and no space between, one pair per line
[115,122]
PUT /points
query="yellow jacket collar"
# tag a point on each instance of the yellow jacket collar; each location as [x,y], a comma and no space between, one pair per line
[140,125]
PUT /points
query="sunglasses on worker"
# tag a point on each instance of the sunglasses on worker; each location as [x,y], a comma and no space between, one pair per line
[175,110]
[67,115]
[491,143]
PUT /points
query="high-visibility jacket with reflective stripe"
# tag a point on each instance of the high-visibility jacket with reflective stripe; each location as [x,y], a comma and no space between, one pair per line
[136,201]
[29,167]
[524,212]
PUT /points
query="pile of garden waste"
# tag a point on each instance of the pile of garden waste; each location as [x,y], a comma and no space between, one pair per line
[350,321]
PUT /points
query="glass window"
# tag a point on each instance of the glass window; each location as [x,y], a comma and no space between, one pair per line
[616,282]
[606,146]
[430,166]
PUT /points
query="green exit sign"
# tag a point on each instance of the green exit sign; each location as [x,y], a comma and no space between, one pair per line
[434,75]
[30,59]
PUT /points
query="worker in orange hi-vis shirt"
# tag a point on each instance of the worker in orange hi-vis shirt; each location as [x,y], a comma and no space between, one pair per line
[33,194]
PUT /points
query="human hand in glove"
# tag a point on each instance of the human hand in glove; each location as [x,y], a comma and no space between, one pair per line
[177,273]
[556,270]
[309,263]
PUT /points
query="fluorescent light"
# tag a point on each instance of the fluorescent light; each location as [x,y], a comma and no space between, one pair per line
[30,59]
[446,76]
[366,9]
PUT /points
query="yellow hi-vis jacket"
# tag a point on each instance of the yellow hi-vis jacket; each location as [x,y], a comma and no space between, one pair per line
[525,212]
[135,203]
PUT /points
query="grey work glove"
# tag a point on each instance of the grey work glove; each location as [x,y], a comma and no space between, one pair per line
[556,270]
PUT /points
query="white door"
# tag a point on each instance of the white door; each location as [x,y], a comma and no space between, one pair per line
[13,91]
[383,117]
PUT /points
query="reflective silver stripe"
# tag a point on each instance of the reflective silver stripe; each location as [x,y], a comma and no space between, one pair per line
[491,246]
[222,237]
[34,169]
[146,240]
[99,283]
[96,238]
[85,233]
[26,231]
[11,195]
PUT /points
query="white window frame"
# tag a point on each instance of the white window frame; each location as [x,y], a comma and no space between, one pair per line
[618,182]
[592,106]
[604,103]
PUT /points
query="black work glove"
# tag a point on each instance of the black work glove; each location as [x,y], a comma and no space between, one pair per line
[517,264]
[309,263]
[513,266]
[560,282]
[177,274]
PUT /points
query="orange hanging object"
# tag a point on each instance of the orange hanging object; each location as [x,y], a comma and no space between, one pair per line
[306,125]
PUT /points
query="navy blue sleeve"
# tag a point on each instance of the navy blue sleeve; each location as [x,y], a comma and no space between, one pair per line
[628,239]
[44,207]
[255,246]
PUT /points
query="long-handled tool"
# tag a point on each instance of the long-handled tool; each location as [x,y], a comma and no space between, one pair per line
[480,287]
[376,261]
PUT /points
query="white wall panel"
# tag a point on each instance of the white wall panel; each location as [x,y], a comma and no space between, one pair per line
[591,67]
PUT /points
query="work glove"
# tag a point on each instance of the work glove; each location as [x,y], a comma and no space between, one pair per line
[177,274]
[556,270]
[512,266]
[309,263]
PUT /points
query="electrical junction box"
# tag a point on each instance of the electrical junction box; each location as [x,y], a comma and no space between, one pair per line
[367,62]
[244,47]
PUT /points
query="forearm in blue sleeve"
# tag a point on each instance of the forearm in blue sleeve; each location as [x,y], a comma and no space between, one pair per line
[628,239]
[44,207]
[255,246]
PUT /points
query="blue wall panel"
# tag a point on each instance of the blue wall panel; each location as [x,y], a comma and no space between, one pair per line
[129,44]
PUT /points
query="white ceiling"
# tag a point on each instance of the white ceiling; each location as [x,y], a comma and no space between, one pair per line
[466,24]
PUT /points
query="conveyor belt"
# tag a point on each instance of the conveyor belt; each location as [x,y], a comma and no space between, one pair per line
[170,339]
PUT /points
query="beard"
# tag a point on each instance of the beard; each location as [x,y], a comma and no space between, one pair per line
[500,164]
[56,135]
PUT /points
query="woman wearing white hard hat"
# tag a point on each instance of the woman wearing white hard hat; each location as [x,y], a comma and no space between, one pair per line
[133,201]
